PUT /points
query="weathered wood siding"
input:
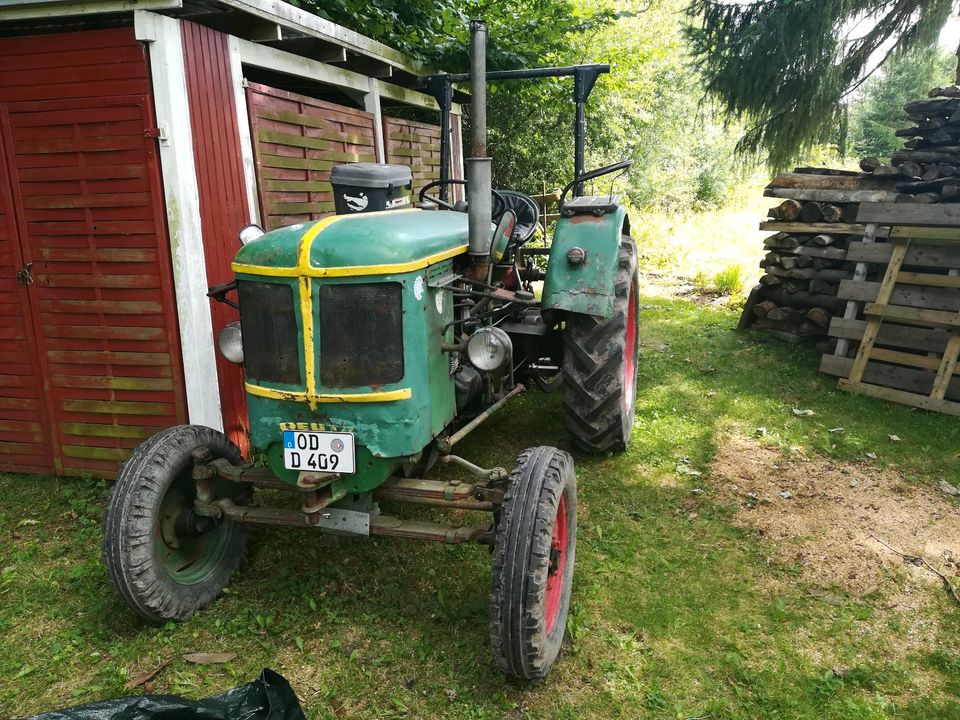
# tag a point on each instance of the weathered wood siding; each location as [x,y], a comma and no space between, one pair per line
[415,144]
[91,353]
[297,140]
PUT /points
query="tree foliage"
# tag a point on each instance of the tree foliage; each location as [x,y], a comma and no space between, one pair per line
[647,109]
[783,66]
[436,31]
[878,112]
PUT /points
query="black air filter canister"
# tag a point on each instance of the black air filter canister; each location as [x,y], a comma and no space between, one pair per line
[368,187]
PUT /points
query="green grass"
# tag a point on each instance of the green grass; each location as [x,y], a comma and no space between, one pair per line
[707,242]
[677,613]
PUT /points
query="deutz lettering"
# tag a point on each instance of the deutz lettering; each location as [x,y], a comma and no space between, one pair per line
[301,426]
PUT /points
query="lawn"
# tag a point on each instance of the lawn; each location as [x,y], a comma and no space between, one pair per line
[679,611]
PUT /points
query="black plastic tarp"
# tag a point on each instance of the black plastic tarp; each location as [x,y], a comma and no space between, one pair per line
[269,697]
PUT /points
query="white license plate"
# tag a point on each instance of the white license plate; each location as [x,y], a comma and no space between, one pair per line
[319,452]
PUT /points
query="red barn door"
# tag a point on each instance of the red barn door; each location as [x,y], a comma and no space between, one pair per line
[89,349]
[91,228]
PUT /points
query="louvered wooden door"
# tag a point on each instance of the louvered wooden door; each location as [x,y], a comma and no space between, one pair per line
[100,343]
[25,437]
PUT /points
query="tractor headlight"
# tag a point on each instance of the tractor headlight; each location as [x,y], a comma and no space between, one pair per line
[230,342]
[489,349]
[249,233]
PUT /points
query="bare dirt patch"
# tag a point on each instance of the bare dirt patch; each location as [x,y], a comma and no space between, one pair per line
[826,516]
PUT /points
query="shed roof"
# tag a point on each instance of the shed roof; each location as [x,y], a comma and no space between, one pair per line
[269,22]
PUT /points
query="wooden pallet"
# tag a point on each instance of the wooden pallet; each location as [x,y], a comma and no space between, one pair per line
[909,339]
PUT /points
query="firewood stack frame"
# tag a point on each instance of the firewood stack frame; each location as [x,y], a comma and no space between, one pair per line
[813,221]
[900,338]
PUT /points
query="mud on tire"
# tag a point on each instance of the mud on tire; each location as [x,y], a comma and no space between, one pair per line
[533,560]
[160,569]
[600,367]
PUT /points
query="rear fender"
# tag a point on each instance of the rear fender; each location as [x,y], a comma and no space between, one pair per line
[590,287]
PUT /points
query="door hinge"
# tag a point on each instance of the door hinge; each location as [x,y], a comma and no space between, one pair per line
[24,276]
[159,133]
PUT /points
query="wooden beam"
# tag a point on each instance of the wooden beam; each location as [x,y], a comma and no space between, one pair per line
[929,279]
[924,402]
[310,47]
[197,344]
[371,67]
[82,7]
[927,233]
[243,127]
[902,336]
[840,196]
[889,213]
[813,228]
[372,105]
[911,296]
[309,24]
[873,324]
[918,254]
[255,29]
[903,378]
[271,58]
[920,316]
[808,181]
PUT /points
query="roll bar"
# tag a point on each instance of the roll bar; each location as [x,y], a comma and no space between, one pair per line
[584,78]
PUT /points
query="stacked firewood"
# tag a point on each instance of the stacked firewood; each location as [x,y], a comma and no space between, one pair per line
[806,256]
[802,271]
[927,170]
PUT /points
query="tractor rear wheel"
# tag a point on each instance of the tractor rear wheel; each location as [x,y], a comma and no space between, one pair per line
[533,556]
[600,367]
[163,560]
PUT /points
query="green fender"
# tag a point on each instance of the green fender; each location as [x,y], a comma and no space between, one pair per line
[590,287]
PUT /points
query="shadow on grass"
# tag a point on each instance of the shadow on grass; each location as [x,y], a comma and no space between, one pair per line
[676,613]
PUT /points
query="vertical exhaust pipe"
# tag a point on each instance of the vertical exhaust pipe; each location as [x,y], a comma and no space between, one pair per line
[479,178]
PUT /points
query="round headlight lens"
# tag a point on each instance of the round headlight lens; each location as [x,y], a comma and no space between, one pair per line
[230,343]
[249,233]
[489,349]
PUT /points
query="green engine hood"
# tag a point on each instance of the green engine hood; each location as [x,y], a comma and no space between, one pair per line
[363,244]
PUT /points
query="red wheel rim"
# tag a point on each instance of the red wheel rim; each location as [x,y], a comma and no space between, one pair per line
[557,564]
[630,351]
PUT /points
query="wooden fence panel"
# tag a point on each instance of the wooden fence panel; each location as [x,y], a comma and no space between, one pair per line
[416,144]
[297,140]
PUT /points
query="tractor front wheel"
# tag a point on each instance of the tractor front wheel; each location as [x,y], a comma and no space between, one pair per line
[163,560]
[600,367]
[533,563]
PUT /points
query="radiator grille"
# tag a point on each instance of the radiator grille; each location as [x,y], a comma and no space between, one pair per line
[271,348]
[361,334]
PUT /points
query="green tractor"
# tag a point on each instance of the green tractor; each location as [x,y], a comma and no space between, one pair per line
[373,341]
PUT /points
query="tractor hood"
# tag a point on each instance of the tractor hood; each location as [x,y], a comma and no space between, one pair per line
[374,243]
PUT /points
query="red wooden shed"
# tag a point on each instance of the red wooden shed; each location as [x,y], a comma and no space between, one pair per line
[134,144]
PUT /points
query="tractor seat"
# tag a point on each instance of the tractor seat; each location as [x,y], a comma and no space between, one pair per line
[527,212]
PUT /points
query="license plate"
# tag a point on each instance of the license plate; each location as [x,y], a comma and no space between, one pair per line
[319,452]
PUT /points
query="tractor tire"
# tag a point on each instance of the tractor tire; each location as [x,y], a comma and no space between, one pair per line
[162,560]
[533,556]
[600,367]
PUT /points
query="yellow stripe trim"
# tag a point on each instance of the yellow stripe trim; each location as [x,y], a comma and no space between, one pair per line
[386,269]
[383,396]
[306,317]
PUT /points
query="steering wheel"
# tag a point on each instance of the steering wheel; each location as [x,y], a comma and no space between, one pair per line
[527,212]
[499,204]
